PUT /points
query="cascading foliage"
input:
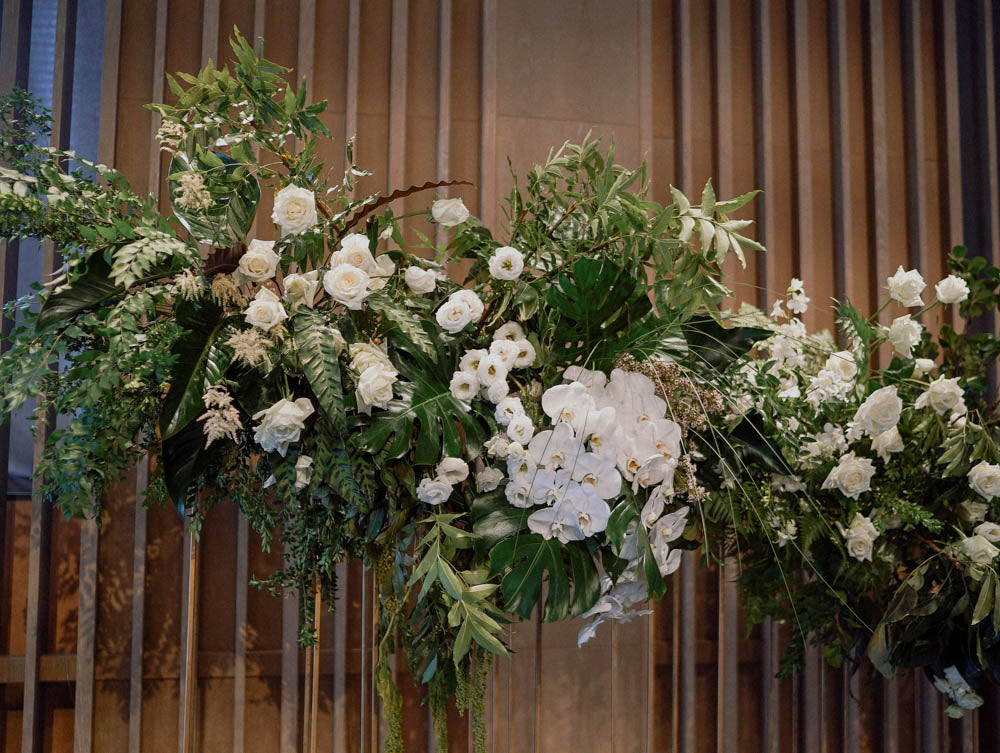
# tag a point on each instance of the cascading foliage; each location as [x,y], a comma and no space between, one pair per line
[563,404]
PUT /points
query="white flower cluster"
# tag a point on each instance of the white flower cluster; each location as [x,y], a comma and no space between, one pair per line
[462,308]
[436,490]
[483,372]
[192,193]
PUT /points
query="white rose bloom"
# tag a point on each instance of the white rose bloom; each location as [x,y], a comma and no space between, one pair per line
[464,386]
[281,424]
[904,333]
[420,280]
[259,262]
[374,388]
[922,366]
[860,537]
[452,470]
[510,331]
[348,285]
[300,289]
[454,315]
[972,512]
[497,446]
[851,476]
[294,210]
[521,430]
[879,412]
[942,395]
[488,479]
[952,289]
[355,249]
[507,351]
[491,369]
[525,354]
[433,492]
[888,442]
[906,287]
[469,362]
[303,471]
[843,365]
[508,409]
[449,212]
[497,391]
[470,299]
[984,479]
[365,355]
[978,550]
[507,263]
[989,531]
[265,310]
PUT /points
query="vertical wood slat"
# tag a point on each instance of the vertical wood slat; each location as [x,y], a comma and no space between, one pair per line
[764,145]
[841,143]
[352,69]
[879,157]
[398,63]
[645,84]
[488,116]
[305,66]
[953,135]
[289,671]
[443,156]
[852,720]
[993,182]
[210,11]
[916,164]
[803,142]
[339,659]
[240,639]
[83,705]
[188,676]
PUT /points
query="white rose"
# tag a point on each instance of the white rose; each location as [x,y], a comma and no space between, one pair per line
[851,476]
[347,284]
[452,470]
[904,334]
[281,424]
[978,550]
[942,395]
[294,210]
[972,512]
[906,287]
[374,388]
[449,212]
[879,412]
[259,261]
[507,351]
[923,366]
[507,263]
[420,280]
[303,471]
[843,365]
[366,355]
[471,300]
[525,354]
[453,316]
[509,331]
[521,430]
[989,531]
[497,391]
[860,537]
[888,442]
[488,479]
[984,479]
[300,289]
[355,250]
[491,369]
[433,492]
[464,386]
[952,289]
[265,310]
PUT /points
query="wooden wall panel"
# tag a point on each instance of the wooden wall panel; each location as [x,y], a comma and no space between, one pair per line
[846,113]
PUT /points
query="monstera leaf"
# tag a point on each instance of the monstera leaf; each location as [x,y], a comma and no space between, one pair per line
[185,458]
[716,346]
[235,194]
[525,560]
[202,359]
[595,301]
[314,338]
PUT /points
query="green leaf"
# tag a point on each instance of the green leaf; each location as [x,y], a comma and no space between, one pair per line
[404,321]
[879,651]
[202,358]
[618,523]
[494,519]
[185,458]
[320,363]
[462,641]
[228,219]
[984,604]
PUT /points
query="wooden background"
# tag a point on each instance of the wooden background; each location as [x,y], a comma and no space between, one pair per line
[871,127]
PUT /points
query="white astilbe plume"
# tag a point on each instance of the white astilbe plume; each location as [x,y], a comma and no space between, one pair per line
[249,346]
[189,285]
[192,194]
[221,418]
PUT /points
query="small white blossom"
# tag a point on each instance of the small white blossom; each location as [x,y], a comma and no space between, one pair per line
[488,479]
[906,287]
[452,470]
[943,396]
[984,479]
[449,212]
[851,476]
[294,210]
[904,333]
[433,492]
[265,310]
[952,289]
[507,263]
[420,280]
[259,262]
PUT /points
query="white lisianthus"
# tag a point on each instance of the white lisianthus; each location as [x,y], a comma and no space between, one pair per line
[978,550]
[300,289]
[265,310]
[433,492]
[508,409]
[922,366]
[259,262]
[906,287]
[510,331]
[366,355]
[488,479]
[452,470]
[507,263]
[525,354]
[851,476]
[942,395]
[348,285]
[521,430]
[888,442]
[294,210]
[420,280]
[984,479]
[355,249]
[904,333]
[879,412]
[989,531]
[464,386]
[507,351]
[860,537]
[374,388]
[469,362]
[952,289]
[491,369]
[281,424]
[303,471]
[843,365]
[497,391]
[449,212]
